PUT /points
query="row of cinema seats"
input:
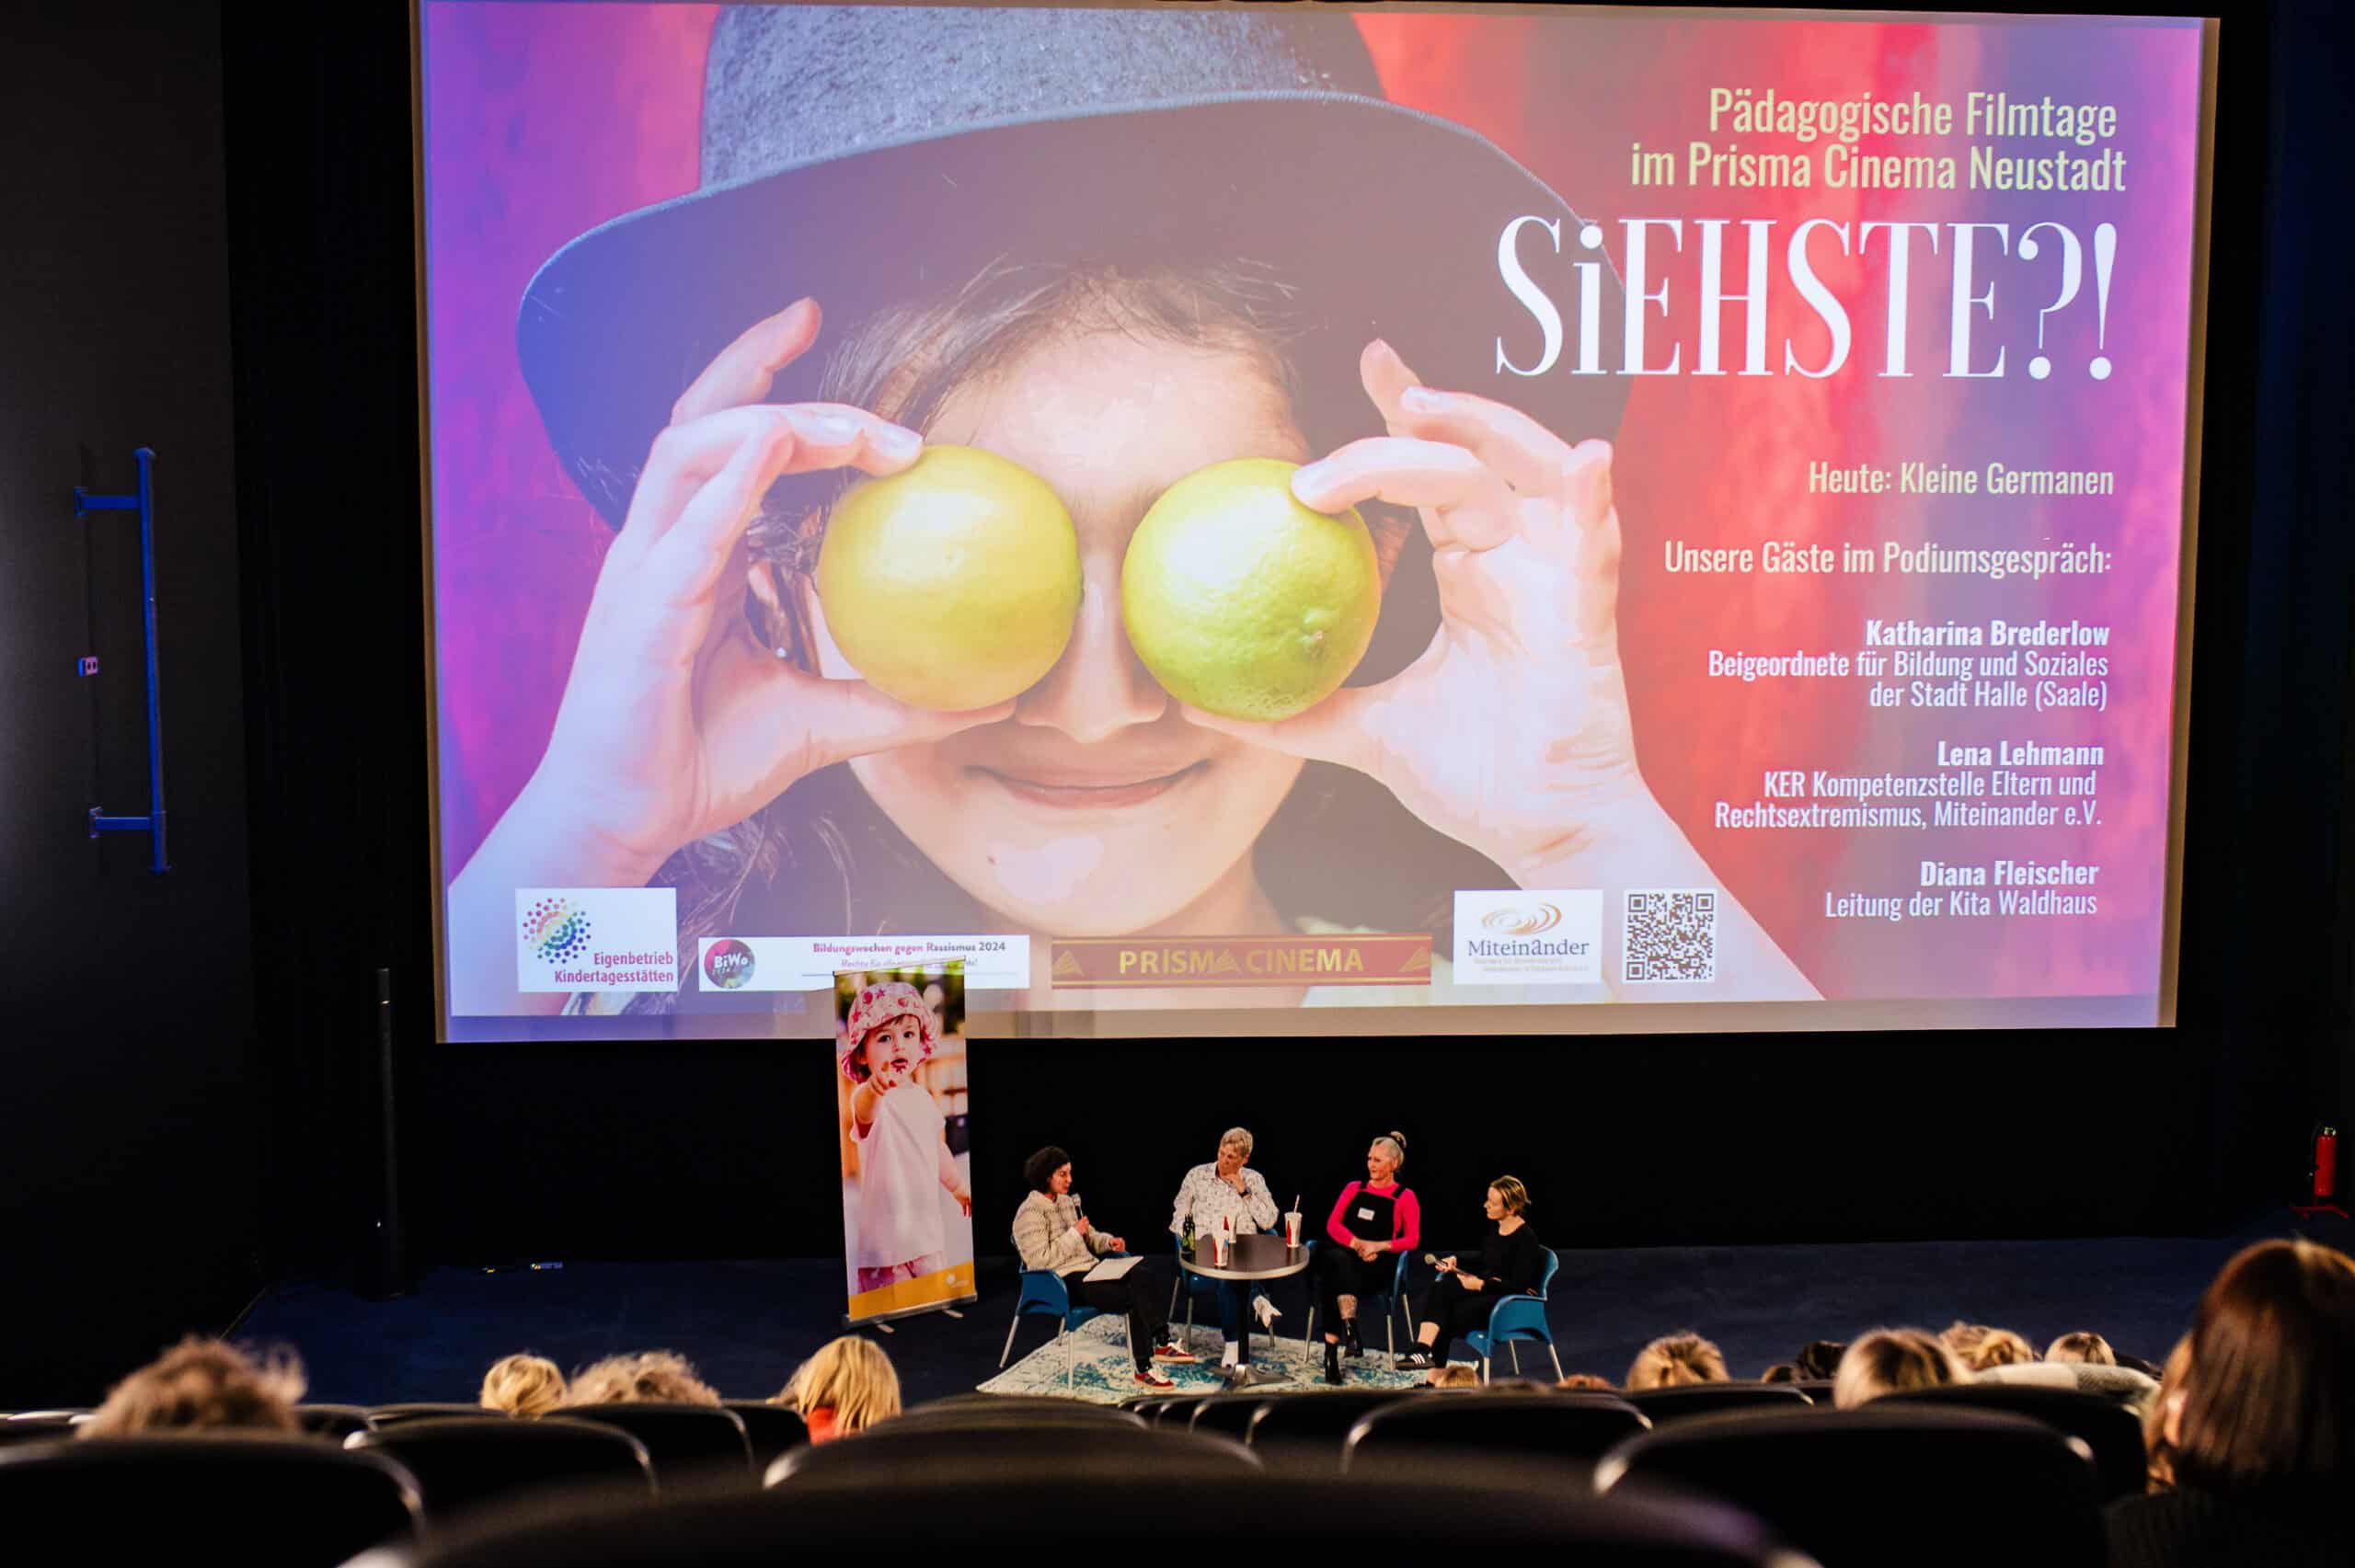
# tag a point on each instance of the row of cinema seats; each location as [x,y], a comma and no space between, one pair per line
[1590,1478]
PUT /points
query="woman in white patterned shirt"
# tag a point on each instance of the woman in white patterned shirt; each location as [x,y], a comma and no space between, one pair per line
[1227,1189]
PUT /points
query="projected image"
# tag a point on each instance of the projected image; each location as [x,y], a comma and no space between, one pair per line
[1231,512]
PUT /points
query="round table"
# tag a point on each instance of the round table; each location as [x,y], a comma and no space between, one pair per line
[1256,1256]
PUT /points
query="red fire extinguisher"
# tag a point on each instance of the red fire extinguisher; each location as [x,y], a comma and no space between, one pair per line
[2322,1176]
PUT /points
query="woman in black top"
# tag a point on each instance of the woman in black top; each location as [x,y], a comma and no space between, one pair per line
[1511,1263]
[2260,1431]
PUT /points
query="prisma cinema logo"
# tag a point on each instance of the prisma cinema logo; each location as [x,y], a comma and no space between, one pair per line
[1521,920]
[728,963]
[555,929]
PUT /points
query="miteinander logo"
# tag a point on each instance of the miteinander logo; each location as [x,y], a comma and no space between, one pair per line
[1529,936]
[555,928]
[1521,919]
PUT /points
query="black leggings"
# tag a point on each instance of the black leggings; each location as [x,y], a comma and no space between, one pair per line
[1135,1295]
[1340,1271]
[1456,1310]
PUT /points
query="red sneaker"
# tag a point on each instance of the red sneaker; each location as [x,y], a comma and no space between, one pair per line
[1176,1355]
[1151,1378]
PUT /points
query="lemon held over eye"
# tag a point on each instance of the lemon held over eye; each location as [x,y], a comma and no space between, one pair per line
[954,583]
[1244,602]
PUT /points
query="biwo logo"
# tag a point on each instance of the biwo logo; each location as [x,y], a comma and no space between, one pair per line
[728,963]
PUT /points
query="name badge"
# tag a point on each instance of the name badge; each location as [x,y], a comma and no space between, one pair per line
[1365,1214]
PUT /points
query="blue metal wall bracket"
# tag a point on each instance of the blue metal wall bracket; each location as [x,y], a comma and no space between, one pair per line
[143,503]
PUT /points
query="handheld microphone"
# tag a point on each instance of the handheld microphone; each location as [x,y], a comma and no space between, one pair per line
[1432,1260]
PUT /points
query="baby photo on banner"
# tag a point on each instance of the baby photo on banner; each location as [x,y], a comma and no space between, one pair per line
[901,1109]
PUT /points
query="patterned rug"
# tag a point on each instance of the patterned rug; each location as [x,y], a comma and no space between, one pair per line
[1103,1372]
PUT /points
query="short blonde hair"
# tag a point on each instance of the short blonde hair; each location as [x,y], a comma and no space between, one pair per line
[1511,1193]
[1998,1347]
[2090,1349]
[1235,1138]
[1457,1375]
[851,1376]
[650,1376]
[1892,1361]
[1673,1360]
[522,1385]
[1585,1380]
[203,1385]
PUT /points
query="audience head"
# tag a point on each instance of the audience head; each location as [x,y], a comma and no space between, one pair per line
[1457,1375]
[1820,1362]
[655,1377]
[1780,1372]
[202,1385]
[522,1385]
[1040,1168]
[2089,1349]
[1996,1347]
[2158,1451]
[1674,1360]
[1384,1156]
[1587,1382]
[2266,1400]
[1509,1197]
[851,1377]
[1892,1361]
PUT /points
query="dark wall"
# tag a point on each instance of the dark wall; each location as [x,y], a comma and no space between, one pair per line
[516,1151]
[129,1158]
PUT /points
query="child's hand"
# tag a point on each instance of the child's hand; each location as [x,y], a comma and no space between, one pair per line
[964,1197]
[887,1079]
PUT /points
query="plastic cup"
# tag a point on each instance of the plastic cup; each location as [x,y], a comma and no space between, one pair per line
[1221,1248]
[1292,1228]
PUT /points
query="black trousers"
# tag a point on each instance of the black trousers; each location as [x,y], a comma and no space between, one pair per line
[1456,1310]
[1138,1295]
[1340,1271]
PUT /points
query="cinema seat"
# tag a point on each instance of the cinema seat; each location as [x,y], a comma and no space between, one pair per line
[1662,1406]
[2112,1431]
[333,1422]
[770,1428]
[1572,1427]
[959,1508]
[258,1502]
[1110,1453]
[24,1430]
[1868,1488]
[1227,1416]
[464,1461]
[1170,1409]
[1820,1392]
[1320,1418]
[389,1414]
[1010,1407]
[687,1443]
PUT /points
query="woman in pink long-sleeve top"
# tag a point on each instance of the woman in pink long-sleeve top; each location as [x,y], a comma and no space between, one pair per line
[1371,1220]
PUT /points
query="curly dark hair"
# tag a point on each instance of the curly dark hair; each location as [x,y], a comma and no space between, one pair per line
[1040,1168]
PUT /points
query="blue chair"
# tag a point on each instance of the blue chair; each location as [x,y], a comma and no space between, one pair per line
[1516,1317]
[1044,1295]
[1393,1306]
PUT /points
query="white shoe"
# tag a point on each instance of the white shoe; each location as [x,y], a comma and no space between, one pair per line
[1266,1310]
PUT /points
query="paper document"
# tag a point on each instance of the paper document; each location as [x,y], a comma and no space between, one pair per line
[1112,1268]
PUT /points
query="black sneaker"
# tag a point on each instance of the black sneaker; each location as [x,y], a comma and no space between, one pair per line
[1414,1360]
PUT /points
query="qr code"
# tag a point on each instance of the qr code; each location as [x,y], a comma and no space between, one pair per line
[1672,934]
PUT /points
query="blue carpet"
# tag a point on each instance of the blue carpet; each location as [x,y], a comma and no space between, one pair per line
[747,1324]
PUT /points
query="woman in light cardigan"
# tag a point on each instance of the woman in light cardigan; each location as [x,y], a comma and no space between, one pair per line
[1052,1232]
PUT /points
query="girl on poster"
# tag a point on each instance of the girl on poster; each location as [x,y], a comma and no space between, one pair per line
[902,1137]
[1018,259]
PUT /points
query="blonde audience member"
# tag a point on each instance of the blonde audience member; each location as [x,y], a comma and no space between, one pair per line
[2087,1349]
[847,1387]
[1674,1360]
[1455,1374]
[1890,1361]
[202,1385]
[657,1377]
[522,1385]
[1981,1348]
[1586,1382]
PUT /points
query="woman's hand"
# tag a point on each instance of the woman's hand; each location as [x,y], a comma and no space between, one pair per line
[676,722]
[1512,732]
[1115,1244]
[1447,1263]
[1469,1281]
[1366,1251]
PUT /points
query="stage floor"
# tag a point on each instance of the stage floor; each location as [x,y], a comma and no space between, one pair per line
[746,1324]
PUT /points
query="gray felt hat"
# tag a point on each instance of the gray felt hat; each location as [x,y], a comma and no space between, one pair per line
[865,156]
